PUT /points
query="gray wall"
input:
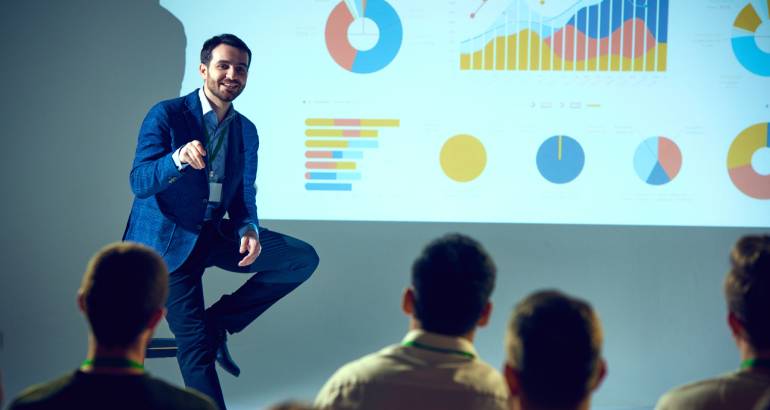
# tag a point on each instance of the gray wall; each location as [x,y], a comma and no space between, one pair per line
[78,78]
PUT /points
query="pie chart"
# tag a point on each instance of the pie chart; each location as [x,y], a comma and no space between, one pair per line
[372,19]
[751,37]
[560,159]
[751,142]
[657,160]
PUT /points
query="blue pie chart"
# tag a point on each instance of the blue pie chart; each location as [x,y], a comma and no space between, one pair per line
[560,159]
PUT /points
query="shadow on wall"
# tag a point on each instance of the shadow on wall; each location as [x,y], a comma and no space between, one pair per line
[78,76]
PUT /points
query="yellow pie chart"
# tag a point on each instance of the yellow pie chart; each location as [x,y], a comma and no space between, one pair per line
[463,158]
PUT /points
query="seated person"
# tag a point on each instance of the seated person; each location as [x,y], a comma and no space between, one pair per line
[554,353]
[747,292]
[436,365]
[122,296]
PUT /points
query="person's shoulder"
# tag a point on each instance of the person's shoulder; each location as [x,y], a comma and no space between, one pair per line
[36,396]
[702,394]
[179,398]
[171,105]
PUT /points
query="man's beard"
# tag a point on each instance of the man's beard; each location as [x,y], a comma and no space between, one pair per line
[214,89]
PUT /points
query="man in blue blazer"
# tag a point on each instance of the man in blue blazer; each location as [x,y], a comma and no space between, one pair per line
[196,159]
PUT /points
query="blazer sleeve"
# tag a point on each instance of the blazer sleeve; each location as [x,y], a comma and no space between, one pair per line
[153,169]
[243,210]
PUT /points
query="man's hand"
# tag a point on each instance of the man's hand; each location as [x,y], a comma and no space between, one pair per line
[250,243]
[192,153]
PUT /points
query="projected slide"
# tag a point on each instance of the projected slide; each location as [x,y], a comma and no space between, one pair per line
[560,159]
[365,22]
[750,146]
[657,160]
[606,35]
[751,37]
[613,112]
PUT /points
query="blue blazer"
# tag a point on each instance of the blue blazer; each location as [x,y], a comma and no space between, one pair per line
[169,205]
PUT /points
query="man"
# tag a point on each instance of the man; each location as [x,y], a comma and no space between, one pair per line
[553,346]
[196,159]
[436,366]
[747,291]
[122,296]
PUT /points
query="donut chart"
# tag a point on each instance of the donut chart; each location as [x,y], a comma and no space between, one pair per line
[560,159]
[363,61]
[739,166]
[657,160]
[748,29]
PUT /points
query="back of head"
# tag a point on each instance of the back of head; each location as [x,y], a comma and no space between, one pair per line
[554,345]
[747,288]
[452,280]
[124,285]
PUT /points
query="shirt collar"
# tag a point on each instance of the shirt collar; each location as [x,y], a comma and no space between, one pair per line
[206,106]
[440,341]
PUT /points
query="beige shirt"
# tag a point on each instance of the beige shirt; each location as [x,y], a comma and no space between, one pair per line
[433,375]
[733,391]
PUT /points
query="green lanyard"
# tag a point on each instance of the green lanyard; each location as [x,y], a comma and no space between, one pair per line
[113,362]
[752,363]
[222,134]
[418,345]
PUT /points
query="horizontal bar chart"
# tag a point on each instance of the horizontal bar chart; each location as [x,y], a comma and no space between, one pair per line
[338,144]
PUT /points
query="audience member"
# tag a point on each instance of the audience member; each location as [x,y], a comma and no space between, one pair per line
[553,347]
[436,365]
[122,297]
[747,292]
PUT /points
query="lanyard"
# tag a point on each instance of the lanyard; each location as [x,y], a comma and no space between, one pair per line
[418,345]
[220,136]
[752,363]
[113,362]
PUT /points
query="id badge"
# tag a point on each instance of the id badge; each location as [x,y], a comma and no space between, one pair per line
[215,192]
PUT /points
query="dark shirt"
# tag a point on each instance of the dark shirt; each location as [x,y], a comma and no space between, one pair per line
[80,390]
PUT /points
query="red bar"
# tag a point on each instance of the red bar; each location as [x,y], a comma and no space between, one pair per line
[344,121]
[320,165]
[318,154]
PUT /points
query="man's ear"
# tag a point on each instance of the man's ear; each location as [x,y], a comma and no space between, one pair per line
[407,302]
[736,327]
[81,300]
[601,373]
[203,70]
[485,315]
[155,318]
[512,378]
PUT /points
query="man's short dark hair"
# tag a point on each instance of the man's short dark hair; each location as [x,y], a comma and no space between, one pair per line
[747,288]
[228,39]
[124,284]
[452,280]
[554,343]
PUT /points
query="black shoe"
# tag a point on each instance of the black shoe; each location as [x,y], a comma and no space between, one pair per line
[161,347]
[224,359]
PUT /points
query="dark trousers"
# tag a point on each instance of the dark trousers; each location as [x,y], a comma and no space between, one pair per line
[283,264]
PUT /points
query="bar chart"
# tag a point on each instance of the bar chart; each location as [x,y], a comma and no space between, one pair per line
[606,35]
[335,149]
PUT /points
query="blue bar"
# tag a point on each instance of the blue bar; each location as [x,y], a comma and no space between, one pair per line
[331,176]
[347,154]
[663,22]
[328,187]
[605,30]
[362,144]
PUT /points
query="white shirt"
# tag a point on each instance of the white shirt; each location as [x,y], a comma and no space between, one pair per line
[441,372]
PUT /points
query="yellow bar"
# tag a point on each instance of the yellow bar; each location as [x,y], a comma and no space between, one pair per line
[604,62]
[593,64]
[330,132]
[346,165]
[500,53]
[557,62]
[315,122]
[326,144]
[534,52]
[547,56]
[465,61]
[748,19]
[626,65]
[615,64]
[650,59]
[512,51]
[380,123]
[560,140]
[523,57]
[477,60]
[662,55]
[489,55]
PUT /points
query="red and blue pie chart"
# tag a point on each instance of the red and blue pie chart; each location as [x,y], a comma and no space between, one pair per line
[657,160]
[388,31]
